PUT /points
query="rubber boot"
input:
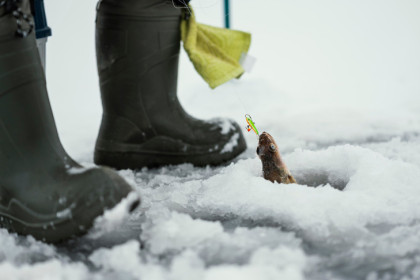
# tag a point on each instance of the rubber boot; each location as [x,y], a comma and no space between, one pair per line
[43,192]
[143,124]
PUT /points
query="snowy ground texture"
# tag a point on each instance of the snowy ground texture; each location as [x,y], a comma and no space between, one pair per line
[337,83]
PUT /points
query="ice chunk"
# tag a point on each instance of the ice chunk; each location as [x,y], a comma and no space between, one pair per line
[113,218]
[50,270]
[123,257]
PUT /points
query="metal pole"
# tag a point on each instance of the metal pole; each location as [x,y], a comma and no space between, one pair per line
[227,14]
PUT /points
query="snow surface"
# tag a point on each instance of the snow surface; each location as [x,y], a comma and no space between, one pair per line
[337,85]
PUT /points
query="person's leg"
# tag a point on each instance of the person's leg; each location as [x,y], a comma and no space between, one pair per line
[138,44]
[43,192]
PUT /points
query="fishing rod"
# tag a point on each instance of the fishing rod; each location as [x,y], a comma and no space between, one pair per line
[227,14]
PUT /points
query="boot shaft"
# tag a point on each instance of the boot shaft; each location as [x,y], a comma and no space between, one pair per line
[130,43]
[19,59]
[15,19]
[27,127]
[139,8]
[128,31]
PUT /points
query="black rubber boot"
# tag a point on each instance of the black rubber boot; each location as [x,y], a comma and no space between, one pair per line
[43,192]
[144,125]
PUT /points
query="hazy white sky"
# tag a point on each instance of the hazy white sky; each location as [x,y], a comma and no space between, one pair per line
[324,52]
[318,46]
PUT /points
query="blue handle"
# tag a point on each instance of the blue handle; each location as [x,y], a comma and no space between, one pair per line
[42,29]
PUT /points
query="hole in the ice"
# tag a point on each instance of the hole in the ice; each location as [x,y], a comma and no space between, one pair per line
[315,178]
[381,228]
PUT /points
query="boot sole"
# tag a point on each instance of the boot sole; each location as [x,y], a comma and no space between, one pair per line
[55,230]
[136,159]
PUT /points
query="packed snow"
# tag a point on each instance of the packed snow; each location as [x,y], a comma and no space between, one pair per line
[336,83]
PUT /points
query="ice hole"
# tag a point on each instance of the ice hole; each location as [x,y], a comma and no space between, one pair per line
[315,178]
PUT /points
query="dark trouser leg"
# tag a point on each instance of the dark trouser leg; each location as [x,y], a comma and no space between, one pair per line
[138,44]
[43,192]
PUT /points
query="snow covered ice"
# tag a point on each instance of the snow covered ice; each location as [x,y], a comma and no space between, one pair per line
[335,83]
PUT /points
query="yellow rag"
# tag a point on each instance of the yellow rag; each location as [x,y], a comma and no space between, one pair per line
[215,52]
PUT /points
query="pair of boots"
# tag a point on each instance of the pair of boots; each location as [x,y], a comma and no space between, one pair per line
[43,192]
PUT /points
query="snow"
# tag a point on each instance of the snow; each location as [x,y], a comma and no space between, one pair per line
[49,270]
[64,213]
[226,125]
[335,83]
[113,218]
[229,146]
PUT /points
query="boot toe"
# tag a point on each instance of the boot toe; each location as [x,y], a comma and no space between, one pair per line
[231,144]
[105,189]
[66,207]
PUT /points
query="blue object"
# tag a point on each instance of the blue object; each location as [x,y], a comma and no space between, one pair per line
[227,14]
[41,27]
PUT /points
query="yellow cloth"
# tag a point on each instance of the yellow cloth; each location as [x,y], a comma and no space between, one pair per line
[215,52]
